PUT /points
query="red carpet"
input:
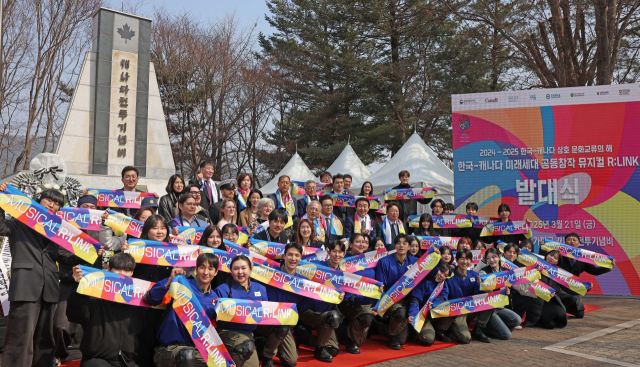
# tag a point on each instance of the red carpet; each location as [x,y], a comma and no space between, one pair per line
[375,350]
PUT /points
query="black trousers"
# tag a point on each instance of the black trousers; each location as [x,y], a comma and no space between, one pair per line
[29,340]
[63,330]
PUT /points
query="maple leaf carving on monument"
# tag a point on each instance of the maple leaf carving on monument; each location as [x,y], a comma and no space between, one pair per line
[126,32]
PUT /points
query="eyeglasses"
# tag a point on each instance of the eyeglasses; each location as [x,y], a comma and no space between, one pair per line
[194,193]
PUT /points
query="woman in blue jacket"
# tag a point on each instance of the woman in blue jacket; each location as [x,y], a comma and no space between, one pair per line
[238,338]
[419,297]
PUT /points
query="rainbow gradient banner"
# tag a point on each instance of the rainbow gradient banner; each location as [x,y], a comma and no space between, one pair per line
[579,254]
[197,323]
[467,305]
[297,188]
[119,199]
[114,287]
[421,317]
[191,235]
[124,224]
[508,278]
[427,242]
[295,284]
[408,281]
[480,222]
[256,258]
[41,220]
[539,288]
[506,228]
[320,255]
[165,255]
[86,219]
[324,187]
[274,250]
[507,264]
[349,201]
[561,276]
[243,237]
[447,221]
[249,312]
[364,261]
[341,280]
[477,256]
[409,194]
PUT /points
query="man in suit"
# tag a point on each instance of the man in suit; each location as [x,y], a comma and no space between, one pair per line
[210,191]
[365,224]
[391,226]
[348,180]
[331,224]
[309,196]
[35,288]
[282,198]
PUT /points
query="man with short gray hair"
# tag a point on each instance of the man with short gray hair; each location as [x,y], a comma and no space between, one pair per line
[309,196]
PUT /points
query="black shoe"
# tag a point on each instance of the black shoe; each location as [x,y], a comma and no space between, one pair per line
[426,344]
[478,335]
[323,355]
[528,324]
[285,364]
[394,343]
[352,347]
[443,336]
[267,362]
[333,351]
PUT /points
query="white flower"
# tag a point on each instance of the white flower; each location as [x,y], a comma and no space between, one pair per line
[56,187]
[63,192]
[47,186]
[39,190]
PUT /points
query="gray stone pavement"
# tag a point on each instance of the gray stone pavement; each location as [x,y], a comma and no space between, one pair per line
[526,346]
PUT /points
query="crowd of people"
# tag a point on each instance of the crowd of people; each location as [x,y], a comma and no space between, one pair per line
[46,311]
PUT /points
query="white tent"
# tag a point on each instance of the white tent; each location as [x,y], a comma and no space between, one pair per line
[295,168]
[348,162]
[423,164]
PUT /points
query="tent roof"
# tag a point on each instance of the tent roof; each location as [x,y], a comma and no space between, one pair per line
[348,162]
[424,165]
[295,168]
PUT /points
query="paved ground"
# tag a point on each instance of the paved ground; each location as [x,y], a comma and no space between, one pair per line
[526,346]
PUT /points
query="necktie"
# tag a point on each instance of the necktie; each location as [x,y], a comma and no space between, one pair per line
[209,191]
[393,233]
[327,230]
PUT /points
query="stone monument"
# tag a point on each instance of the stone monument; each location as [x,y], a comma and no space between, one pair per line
[115,118]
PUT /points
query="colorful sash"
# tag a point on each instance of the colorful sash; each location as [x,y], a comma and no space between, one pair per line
[243,198]
[191,235]
[86,219]
[480,222]
[114,287]
[467,305]
[294,284]
[257,258]
[435,241]
[195,320]
[367,221]
[275,250]
[506,228]
[27,211]
[419,319]
[508,278]
[561,276]
[408,281]
[344,281]
[364,261]
[297,188]
[386,230]
[287,203]
[579,254]
[123,224]
[409,194]
[336,227]
[249,312]
[119,199]
[165,255]
[243,237]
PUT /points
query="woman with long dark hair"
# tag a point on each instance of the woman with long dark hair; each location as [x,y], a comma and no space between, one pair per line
[249,216]
[504,211]
[245,182]
[305,234]
[425,226]
[168,204]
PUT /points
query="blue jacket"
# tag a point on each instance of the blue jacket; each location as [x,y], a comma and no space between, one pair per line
[388,271]
[257,292]
[466,287]
[421,293]
[172,330]
[349,227]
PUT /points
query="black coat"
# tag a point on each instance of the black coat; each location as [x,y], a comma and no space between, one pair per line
[34,272]
[204,197]
[407,207]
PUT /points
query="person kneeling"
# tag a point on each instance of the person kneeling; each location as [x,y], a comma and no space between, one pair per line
[420,296]
[110,329]
[176,346]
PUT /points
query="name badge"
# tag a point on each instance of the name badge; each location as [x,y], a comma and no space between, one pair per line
[257,294]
